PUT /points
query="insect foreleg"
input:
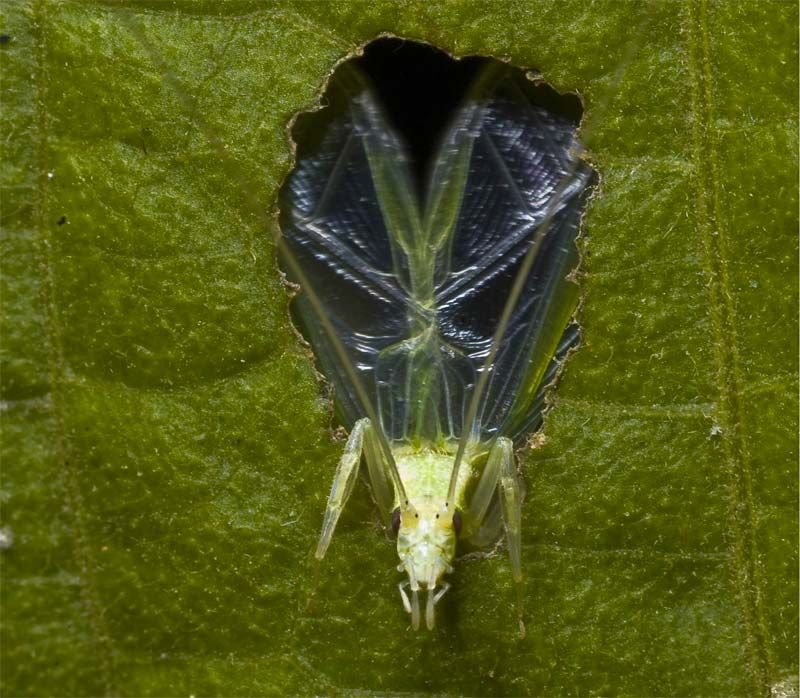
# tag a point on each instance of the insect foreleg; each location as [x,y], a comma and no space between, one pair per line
[485,513]
[499,475]
[475,513]
[343,481]
[379,472]
[511,505]
[491,526]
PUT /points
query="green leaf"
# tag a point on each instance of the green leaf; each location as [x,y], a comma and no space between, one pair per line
[167,450]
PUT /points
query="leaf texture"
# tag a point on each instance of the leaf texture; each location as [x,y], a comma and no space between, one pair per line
[167,450]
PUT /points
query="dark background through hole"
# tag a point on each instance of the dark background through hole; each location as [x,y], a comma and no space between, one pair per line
[420,88]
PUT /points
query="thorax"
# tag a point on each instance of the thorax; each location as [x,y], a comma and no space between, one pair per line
[425,472]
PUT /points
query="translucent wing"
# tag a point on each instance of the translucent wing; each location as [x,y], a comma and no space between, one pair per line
[344,212]
[415,299]
[512,162]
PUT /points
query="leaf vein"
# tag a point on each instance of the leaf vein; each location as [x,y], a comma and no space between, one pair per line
[723,317]
[65,456]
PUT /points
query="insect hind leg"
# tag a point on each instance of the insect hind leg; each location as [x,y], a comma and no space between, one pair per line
[343,482]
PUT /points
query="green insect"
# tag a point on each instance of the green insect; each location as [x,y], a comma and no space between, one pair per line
[439,320]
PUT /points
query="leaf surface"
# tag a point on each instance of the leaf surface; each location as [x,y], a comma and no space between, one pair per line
[167,450]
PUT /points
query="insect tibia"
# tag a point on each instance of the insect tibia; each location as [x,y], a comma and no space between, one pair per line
[343,483]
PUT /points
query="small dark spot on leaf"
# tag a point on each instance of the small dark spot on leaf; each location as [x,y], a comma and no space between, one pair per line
[146,135]
[62,220]
[4,39]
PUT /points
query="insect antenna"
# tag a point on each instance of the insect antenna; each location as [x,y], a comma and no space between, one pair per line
[528,261]
[248,188]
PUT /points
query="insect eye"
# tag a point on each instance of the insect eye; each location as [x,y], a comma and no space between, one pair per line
[396,520]
[457,522]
